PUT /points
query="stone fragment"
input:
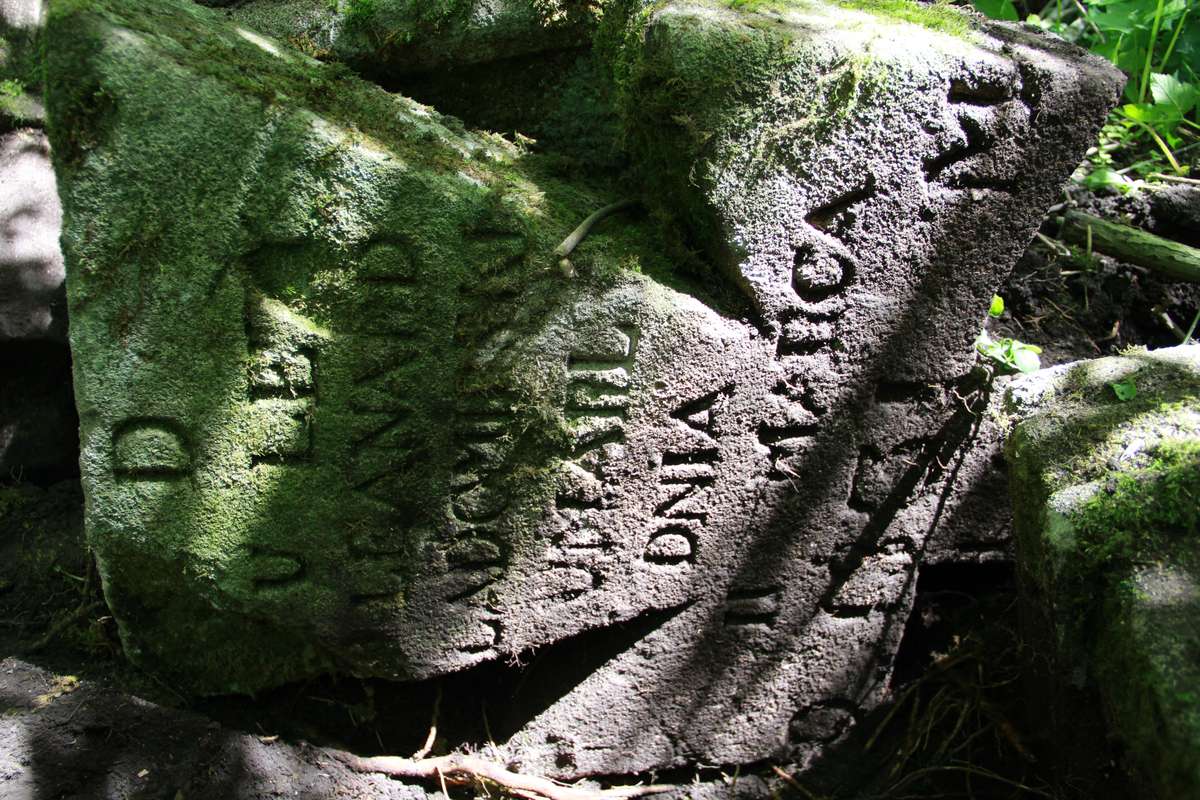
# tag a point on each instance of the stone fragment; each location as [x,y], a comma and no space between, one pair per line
[38,426]
[398,37]
[1106,517]
[32,300]
[340,409]
[22,14]
[517,66]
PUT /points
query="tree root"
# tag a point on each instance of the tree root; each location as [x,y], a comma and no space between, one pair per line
[569,244]
[465,770]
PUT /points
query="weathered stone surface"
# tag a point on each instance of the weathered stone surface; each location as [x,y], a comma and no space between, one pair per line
[341,410]
[22,14]
[62,737]
[32,299]
[1105,504]
[866,178]
[396,37]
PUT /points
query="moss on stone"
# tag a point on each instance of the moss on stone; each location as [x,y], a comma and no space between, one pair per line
[240,219]
[1145,511]
[1107,512]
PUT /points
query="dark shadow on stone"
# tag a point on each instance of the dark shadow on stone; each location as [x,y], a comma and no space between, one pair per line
[39,427]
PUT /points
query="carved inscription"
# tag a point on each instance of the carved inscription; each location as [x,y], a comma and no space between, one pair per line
[475,548]
[597,409]
[282,384]
[752,606]
[274,570]
[151,449]
[387,324]
[986,113]
[684,478]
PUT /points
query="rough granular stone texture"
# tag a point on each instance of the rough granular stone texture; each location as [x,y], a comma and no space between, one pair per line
[32,299]
[1107,525]
[397,37]
[63,737]
[340,409]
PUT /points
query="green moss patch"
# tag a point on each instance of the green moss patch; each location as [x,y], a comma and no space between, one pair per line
[1142,513]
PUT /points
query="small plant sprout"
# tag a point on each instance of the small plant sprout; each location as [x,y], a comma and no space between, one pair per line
[1015,356]
[1125,390]
[997,307]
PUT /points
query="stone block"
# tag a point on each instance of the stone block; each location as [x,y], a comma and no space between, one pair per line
[1105,504]
[341,410]
[32,299]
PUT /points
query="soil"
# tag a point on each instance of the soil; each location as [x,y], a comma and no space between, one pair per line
[77,721]
[1076,305]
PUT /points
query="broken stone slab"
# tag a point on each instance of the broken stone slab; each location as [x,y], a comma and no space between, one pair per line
[517,66]
[1105,459]
[341,411]
[865,174]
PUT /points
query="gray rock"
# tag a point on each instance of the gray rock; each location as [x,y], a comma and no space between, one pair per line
[23,14]
[341,411]
[1176,212]
[1104,499]
[388,38]
[32,299]
[62,737]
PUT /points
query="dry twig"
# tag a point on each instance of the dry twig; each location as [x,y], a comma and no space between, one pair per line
[465,770]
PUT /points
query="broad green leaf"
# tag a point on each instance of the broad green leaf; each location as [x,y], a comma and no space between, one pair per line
[1156,115]
[997,9]
[1171,91]
[1118,19]
[1106,178]
[1026,360]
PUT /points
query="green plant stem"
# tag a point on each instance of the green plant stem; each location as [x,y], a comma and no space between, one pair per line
[1162,66]
[1172,259]
[1088,19]
[1187,337]
[1163,146]
[1150,53]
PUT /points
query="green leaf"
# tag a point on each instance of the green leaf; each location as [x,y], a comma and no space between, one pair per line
[1026,359]
[1171,92]
[1118,18]
[1125,390]
[1156,115]
[997,9]
[997,307]
[1106,178]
